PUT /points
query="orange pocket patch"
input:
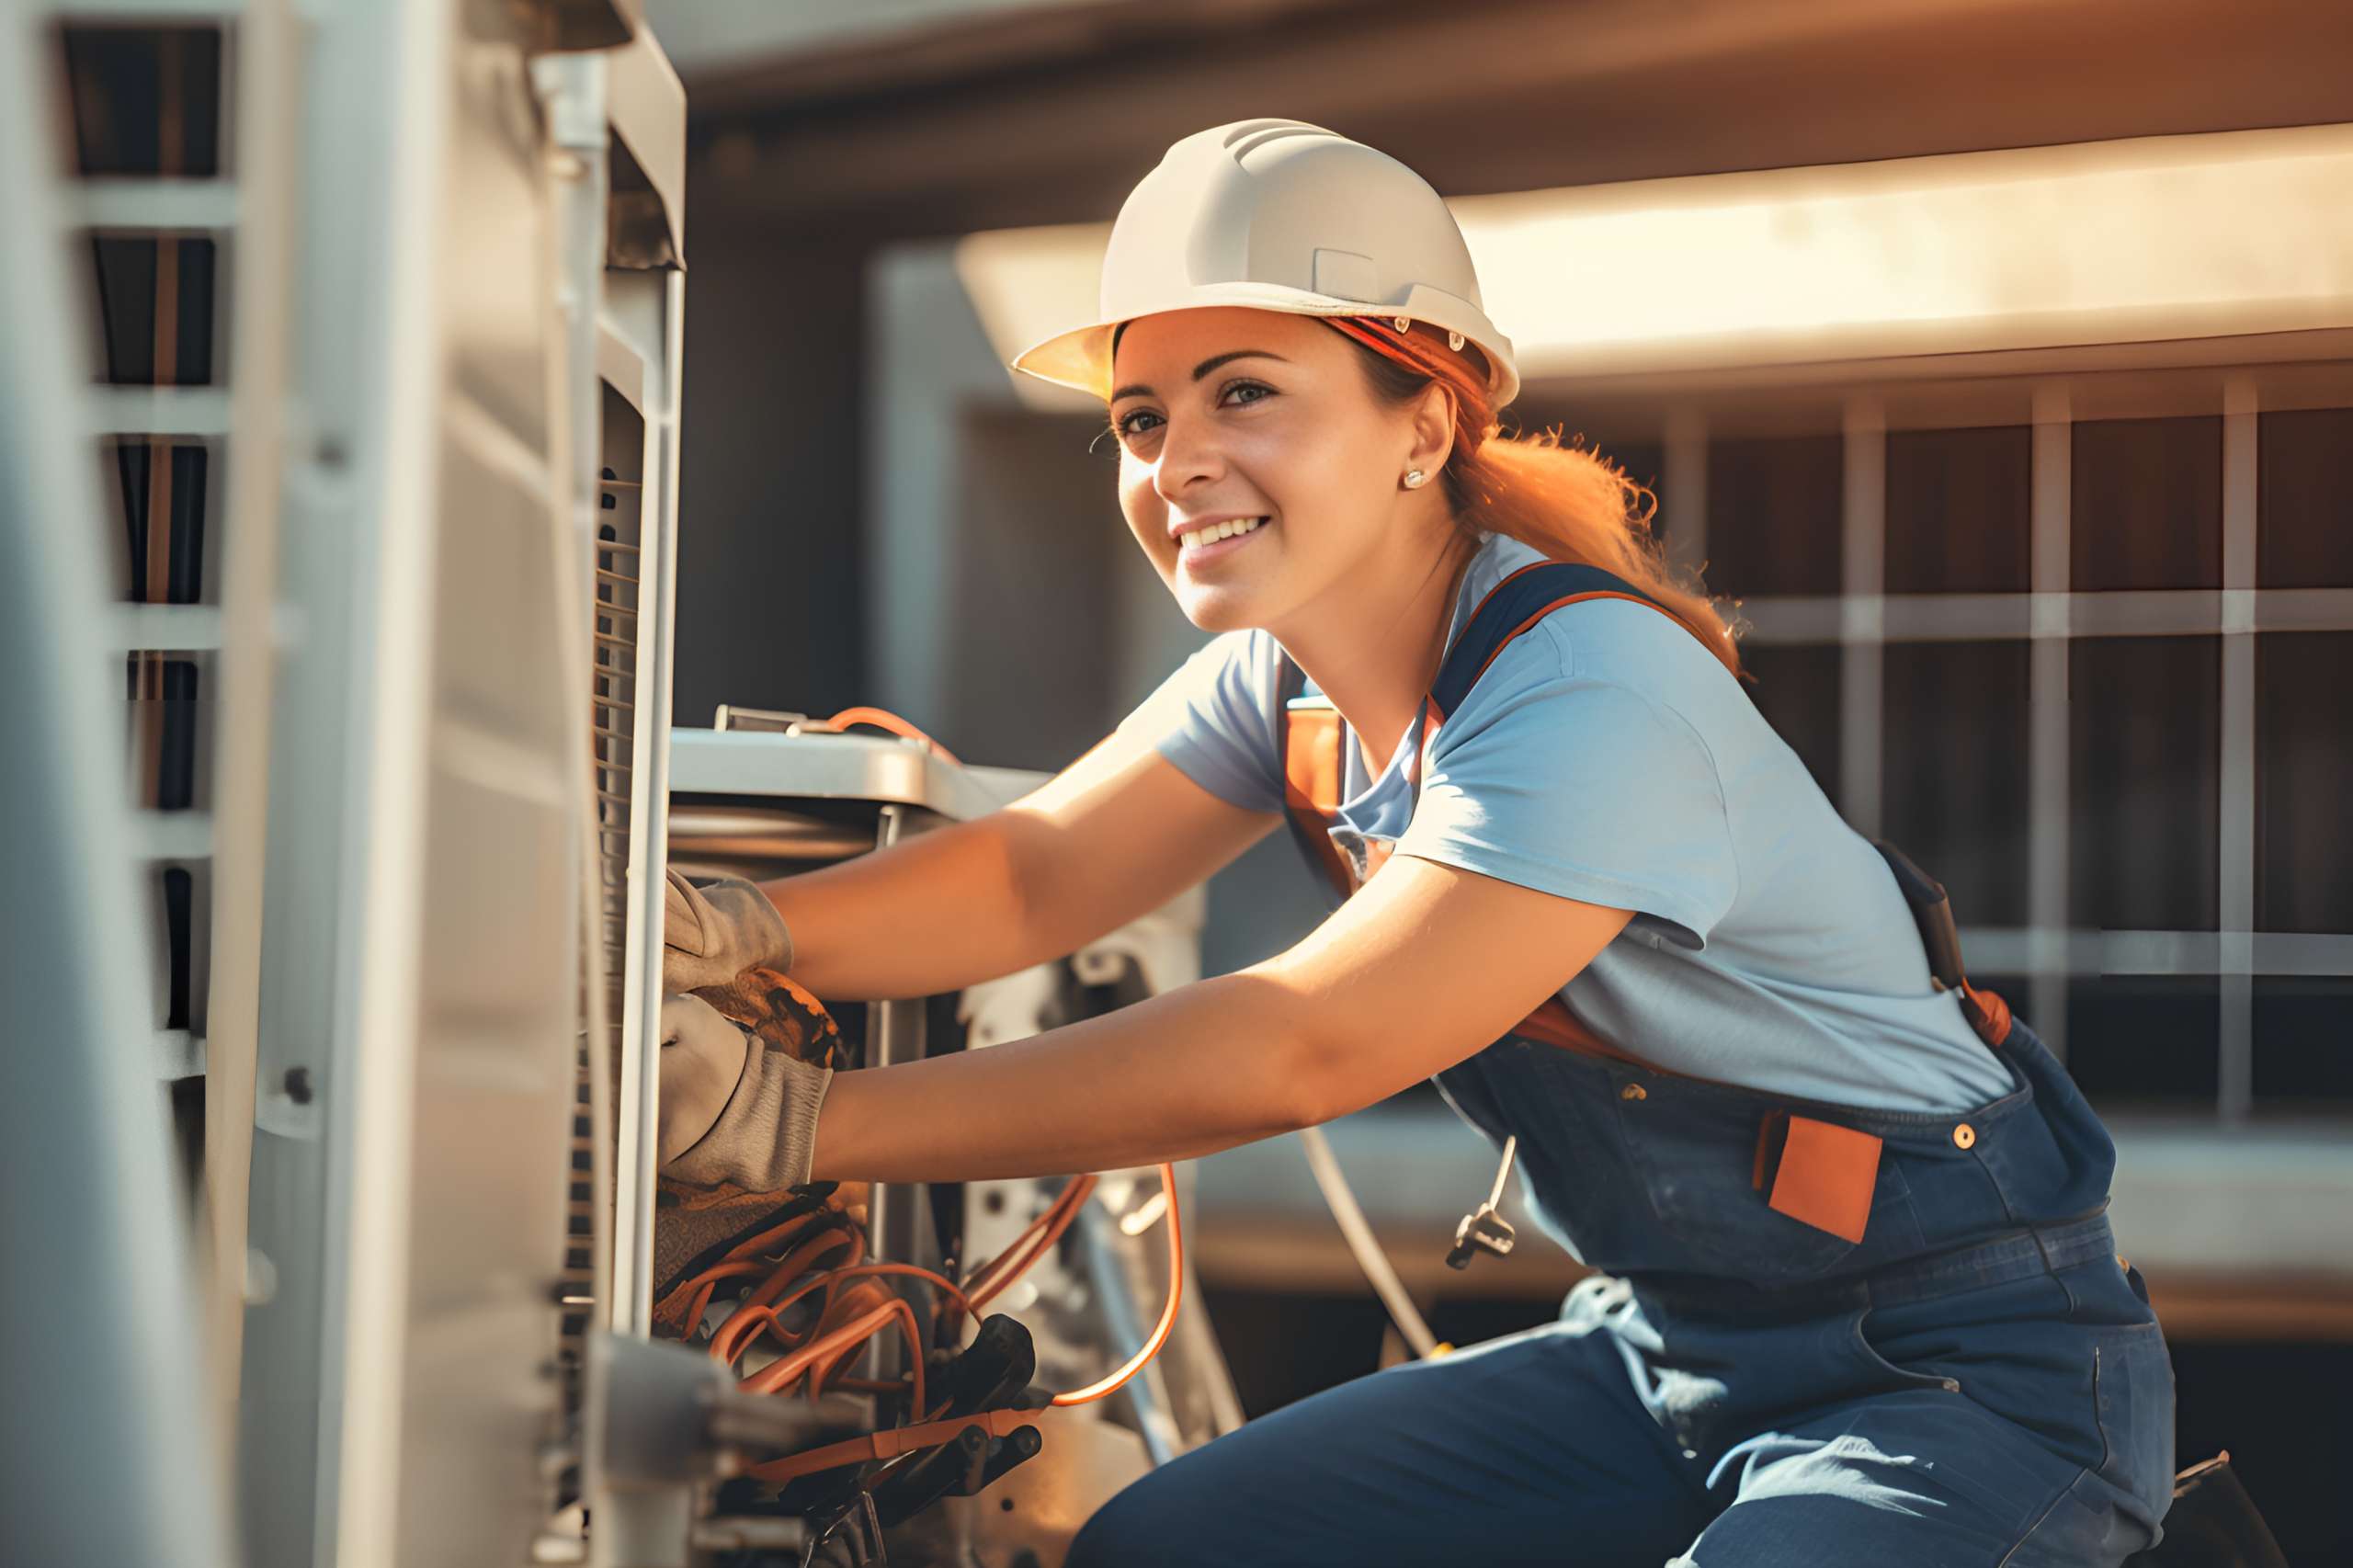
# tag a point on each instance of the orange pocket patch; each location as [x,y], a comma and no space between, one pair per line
[1824,1174]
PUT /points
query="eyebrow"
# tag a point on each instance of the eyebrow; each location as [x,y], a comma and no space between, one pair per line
[1203,368]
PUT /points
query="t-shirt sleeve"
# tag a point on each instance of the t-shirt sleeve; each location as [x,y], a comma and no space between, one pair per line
[1213,719]
[1581,787]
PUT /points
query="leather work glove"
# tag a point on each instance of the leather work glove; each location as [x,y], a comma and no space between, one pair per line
[714,931]
[734,1109]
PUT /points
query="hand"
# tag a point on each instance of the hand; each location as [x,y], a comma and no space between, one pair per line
[732,1111]
[703,1059]
[713,931]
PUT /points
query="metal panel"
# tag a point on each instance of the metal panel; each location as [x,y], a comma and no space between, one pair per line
[420,994]
[820,767]
[649,116]
[650,310]
[468,984]
[153,206]
[111,1387]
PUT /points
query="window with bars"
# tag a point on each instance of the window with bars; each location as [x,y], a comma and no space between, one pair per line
[2095,670]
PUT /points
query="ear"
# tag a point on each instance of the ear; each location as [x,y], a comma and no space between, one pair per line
[1432,427]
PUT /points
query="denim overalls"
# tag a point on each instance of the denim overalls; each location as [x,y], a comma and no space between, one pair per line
[1943,1361]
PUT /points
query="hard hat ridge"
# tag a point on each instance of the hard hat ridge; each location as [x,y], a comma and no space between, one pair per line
[1279,215]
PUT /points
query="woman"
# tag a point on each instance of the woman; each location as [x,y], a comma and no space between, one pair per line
[1858,1304]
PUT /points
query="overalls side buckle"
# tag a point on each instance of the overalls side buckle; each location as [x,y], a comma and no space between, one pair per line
[1484,1230]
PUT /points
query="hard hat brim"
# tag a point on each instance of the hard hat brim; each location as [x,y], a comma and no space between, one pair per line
[1081,358]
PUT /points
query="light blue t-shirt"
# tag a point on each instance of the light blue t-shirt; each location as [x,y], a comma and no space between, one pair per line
[1605,755]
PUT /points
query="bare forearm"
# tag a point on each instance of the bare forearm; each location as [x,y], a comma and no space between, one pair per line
[1372,1000]
[1113,836]
[936,913]
[1199,1069]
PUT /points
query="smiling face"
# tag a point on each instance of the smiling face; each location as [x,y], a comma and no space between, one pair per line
[1259,472]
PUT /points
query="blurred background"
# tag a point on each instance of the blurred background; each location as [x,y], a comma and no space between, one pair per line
[1995,355]
[1992,351]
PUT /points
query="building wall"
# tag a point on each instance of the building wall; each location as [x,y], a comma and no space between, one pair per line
[771,553]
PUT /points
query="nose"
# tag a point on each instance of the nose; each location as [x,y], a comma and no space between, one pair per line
[1190,455]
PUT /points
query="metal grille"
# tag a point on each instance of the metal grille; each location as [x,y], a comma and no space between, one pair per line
[612,734]
[2081,612]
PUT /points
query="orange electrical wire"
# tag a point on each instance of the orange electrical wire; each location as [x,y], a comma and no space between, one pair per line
[743,1258]
[783,1371]
[889,1444]
[742,1327]
[863,1270]
[882,718]
[826,1345]
[841,1304]
[996,1276]
[760,1311]
[734,1335]
[1159,1338]
[992,1279]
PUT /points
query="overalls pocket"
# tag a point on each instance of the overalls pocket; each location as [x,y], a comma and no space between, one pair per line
[2132,1377]
[2133,1384]
[1886,1373]
[1695,1149]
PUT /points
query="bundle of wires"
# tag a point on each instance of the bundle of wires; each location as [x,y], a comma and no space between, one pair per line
[853,1307]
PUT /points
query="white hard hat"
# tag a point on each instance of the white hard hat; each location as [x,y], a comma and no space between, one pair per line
[1276,215]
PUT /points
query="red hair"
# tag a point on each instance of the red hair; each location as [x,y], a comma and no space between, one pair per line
[1556,497]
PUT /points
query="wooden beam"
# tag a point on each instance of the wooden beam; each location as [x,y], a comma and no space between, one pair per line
[1526,94]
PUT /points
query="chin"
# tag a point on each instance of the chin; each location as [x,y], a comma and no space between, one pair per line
[1219,609]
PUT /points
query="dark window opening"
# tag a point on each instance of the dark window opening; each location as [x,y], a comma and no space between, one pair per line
[155,309]
[166,562]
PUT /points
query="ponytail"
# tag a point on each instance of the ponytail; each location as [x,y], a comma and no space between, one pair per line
[1555,496]
[1575,504]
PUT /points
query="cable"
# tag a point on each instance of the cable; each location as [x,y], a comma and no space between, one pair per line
[993,1278]
[889,1444]
[882,718]
[827,1345]
[907,1269]
[740,1259]
[843,1303]
[729,1340]
[780,1373]
[1363,1244]
[1135,1363]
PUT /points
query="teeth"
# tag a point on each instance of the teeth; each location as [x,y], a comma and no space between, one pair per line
[1217,532]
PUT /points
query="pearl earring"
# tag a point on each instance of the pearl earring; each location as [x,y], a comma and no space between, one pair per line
[1413,478]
